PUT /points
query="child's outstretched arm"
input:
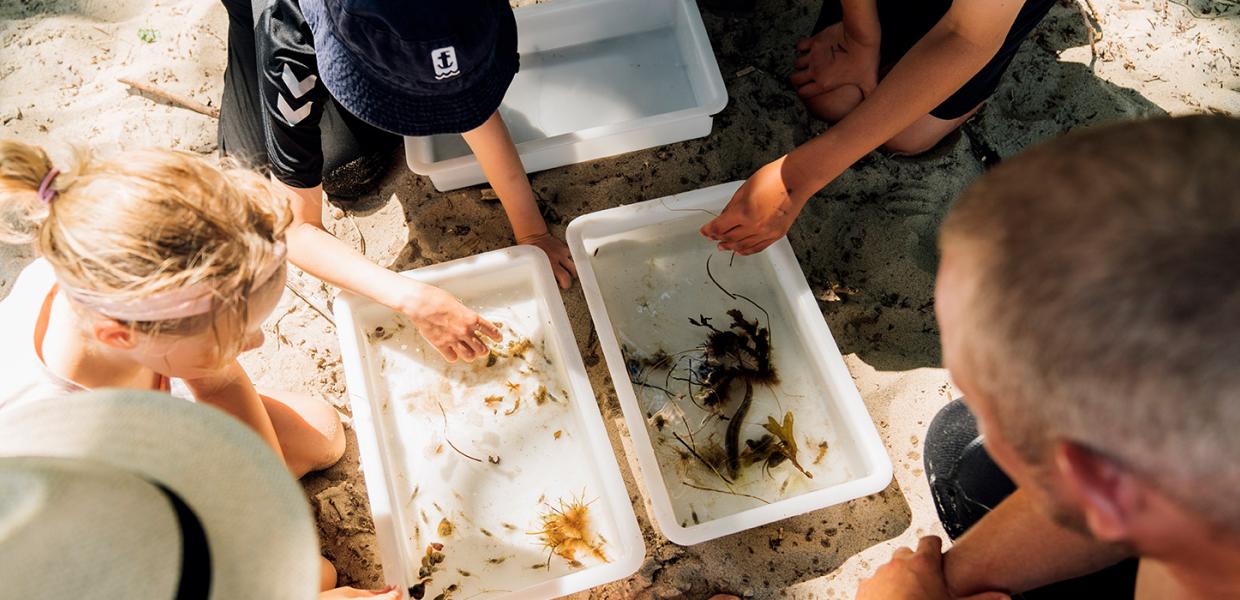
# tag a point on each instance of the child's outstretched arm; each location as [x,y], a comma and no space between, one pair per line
[448,325]
[962,42]
[500,162]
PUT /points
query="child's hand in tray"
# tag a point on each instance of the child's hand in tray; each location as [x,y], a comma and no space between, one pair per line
[452,328]
[557,251]
[760,212]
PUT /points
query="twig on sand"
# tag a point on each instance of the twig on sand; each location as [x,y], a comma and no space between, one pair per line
[1095,30]
[171,98]
[297,292]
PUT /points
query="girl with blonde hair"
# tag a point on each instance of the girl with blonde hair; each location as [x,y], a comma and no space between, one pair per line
[153,265]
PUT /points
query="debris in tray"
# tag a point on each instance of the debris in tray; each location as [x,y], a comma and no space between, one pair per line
[381,333]
[822,452]
[493,459]
[431,560]
[447,439]
[719,377]
[558,433]
[567,531]
[445,528]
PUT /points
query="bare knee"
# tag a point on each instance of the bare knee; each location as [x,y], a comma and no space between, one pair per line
[331,449]
[834,105]
[912,143]
[925,134]
[308,429]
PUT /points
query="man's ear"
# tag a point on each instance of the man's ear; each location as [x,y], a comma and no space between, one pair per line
[1107,494]
[114,335]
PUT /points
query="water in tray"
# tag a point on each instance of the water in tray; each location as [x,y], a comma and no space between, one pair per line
[588,85]
[483,451]
[680,342]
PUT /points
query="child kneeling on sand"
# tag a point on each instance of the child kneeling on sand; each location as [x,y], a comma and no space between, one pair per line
[154,265]
[899,74]
[315,86]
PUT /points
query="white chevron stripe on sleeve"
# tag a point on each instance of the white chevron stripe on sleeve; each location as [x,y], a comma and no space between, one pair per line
[297,87]
[292,116]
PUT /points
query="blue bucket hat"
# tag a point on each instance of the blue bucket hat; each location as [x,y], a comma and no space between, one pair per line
[415,67]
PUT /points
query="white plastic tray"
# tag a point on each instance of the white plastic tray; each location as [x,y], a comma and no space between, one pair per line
[598,78]
[547,451]
[642,270]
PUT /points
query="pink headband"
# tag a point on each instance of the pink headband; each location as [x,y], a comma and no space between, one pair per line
[189,301]
[46,193]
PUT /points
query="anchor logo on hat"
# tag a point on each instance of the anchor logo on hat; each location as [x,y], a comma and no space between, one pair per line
[444,60]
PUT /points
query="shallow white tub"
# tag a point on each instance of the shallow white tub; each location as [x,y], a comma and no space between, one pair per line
[483,447]
[598,78]
[643,272]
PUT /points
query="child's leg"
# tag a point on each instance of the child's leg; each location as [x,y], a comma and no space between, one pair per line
[903,25]
[308,429]
[925,134]
[835,104]
[240,123]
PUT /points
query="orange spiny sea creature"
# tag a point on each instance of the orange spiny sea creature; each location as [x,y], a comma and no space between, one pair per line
[567,532]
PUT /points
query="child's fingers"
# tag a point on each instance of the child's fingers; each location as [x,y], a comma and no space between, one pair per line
[448,353]
[719,226]
[755,247]
[741,244]
[488,329]
[804,44]
[736,234]
[473,347]
[562,277]
[570,265]
[802,62]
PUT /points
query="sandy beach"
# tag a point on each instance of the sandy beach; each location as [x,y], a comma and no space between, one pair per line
[866,243]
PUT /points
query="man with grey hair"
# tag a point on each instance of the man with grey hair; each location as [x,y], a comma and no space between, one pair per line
[1089,303]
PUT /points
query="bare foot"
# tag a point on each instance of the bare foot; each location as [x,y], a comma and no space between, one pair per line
[724,597]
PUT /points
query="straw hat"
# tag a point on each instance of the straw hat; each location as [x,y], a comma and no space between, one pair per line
[105,494]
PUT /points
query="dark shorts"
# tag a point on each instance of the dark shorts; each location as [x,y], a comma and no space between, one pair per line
[966,484]
[905,22]
[355,154]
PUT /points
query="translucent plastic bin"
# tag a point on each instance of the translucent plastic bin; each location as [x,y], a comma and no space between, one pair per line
[643,270]
[488,447]
[598,78]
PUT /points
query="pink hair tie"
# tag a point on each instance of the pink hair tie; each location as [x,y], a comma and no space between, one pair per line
[46,193]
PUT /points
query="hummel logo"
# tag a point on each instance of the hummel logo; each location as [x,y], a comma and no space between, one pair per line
[444,61]
[295,86]
[292,116]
